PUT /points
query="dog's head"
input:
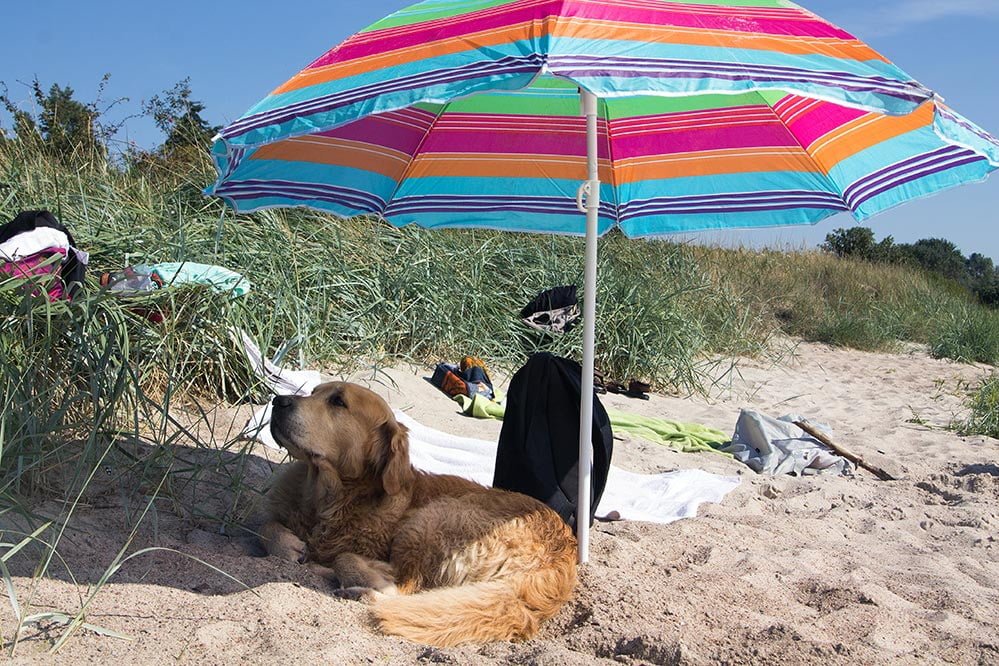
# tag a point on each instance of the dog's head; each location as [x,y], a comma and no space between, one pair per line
[346,430]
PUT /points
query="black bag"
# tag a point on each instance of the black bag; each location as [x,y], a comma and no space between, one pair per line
[34,222]
[538,450]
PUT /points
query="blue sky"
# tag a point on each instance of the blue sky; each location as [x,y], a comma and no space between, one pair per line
[235,52]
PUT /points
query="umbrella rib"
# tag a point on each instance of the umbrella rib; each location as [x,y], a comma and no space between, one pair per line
[610,158]
[419,147]
[833,188]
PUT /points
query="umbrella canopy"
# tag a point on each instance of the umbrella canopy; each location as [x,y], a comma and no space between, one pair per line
[440,49]
[510,158]
[698,115]
[513,160]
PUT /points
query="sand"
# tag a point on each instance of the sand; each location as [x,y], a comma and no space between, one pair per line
[784,571]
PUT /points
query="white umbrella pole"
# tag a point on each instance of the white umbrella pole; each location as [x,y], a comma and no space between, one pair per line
[592,190]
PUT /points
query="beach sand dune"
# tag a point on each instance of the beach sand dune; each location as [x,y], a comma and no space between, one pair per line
[784,571]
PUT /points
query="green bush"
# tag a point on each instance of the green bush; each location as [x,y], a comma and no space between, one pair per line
[984,404]
[970,335]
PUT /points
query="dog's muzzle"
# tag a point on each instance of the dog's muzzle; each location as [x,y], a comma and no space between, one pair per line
[283,401]
[282,408]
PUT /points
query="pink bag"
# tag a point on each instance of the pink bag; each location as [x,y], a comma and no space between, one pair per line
[46,262]
[36,244]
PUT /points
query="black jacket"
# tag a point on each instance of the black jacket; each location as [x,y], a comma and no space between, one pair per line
[539,444]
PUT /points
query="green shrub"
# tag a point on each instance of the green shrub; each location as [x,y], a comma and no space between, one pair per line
[970,335]
[984,404]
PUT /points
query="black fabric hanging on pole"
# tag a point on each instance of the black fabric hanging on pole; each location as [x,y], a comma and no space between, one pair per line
[538,450]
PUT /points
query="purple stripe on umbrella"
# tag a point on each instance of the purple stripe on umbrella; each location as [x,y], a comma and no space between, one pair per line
[251,182]
[235,157]
[916,175]
[735,196]
[688,140]
[352,196]
[340,201]
[459,204]
[358,195]
[305,199]
[509,208]
[867,179]
[738,209]
[667,205]
[301,196]
[882,175]
[741,195]
[557,61]
[482,197]
[627,74]
[502,67]
[247,187]
[409,204]
[487,198]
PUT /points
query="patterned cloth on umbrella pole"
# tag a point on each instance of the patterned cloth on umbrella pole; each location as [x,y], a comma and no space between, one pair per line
[709,114]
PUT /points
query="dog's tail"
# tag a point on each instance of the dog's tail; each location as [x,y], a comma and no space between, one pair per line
[507,609]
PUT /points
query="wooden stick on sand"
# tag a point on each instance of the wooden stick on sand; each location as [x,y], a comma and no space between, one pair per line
[846,453]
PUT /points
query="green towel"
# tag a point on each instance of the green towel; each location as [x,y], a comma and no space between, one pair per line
[481,407]
[685,437]
[188,272]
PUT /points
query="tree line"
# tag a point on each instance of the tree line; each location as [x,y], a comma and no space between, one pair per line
[936,255]
[76,133]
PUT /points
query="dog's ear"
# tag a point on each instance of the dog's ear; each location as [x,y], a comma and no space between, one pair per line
[396,470]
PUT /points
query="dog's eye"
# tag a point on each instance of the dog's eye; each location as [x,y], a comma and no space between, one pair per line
[337,400]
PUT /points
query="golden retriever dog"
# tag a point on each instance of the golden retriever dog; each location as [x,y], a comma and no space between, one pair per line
[441,560]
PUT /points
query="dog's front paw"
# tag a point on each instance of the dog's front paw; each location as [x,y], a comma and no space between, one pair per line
[327,573]
[281,542]
[365,595]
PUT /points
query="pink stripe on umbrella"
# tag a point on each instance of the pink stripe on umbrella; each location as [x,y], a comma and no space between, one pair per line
[714,138]
[798,24]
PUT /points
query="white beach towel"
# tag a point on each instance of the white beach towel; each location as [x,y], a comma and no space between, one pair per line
[281,381]
[657,498]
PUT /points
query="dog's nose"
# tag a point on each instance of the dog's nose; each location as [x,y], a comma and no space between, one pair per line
[283,401]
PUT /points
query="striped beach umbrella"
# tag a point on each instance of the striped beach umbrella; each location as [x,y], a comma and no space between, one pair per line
[576,116]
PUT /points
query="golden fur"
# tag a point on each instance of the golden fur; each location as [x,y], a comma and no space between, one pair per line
[441,559]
